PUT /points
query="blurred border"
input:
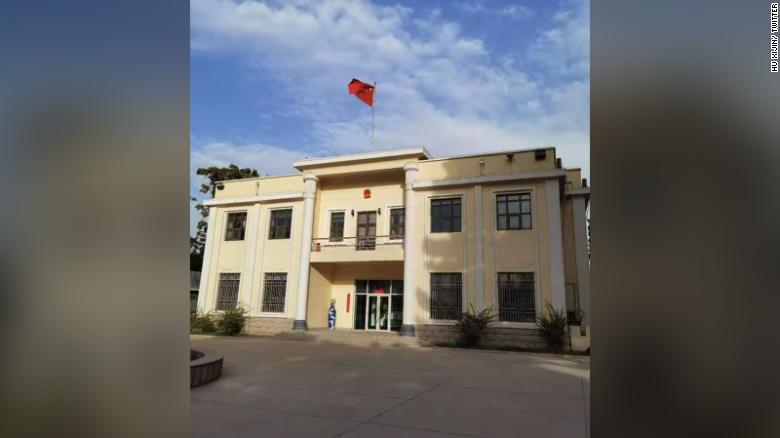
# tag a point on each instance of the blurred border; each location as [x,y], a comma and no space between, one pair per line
[684,151]
[94,150]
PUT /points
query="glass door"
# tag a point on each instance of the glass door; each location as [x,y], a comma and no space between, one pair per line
[384,306]
[378,305]
[371,313]
[378,312]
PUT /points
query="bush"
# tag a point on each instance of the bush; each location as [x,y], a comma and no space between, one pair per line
[200,323]
[231,322]
[553,325]
[472,325]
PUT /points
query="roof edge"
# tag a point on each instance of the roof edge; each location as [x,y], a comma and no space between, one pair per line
[333,159]
[500,152]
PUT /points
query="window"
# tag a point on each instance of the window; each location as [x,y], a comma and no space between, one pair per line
[236,226]
[516,298]
[513,211]
[337,226]
[446,295]
[445,215]
[397,223]
[227,293]
[280,224]
[274,292]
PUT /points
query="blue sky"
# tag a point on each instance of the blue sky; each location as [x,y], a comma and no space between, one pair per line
[269,79]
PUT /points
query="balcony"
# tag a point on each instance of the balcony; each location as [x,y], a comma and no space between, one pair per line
[357,249]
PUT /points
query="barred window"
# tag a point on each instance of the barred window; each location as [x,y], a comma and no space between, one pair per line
[397,216]
[236,226]
[337,226]
[516,297]
[227,292]
[446,295]
[280,224]
[513,211]
[445,215]
[274,291]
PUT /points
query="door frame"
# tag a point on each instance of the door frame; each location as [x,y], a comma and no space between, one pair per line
[358,243]
[378,313]
[388,295]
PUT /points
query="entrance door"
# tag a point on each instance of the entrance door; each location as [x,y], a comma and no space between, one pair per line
[378,312]
[378,305]
[366,231]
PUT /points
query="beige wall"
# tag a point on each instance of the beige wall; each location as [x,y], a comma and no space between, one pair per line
[573,179]
[442,252]
[320,294]
[515,250]
[569,249]
[363,166]
[335,281]
[278,255]
[346,194]
[496,164]
[270,256]
[260,186]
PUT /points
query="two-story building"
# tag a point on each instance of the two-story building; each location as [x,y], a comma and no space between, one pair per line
[403,242]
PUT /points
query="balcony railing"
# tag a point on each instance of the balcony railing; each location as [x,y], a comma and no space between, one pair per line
[373,243]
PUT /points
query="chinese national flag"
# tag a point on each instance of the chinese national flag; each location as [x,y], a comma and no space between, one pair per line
[363,91]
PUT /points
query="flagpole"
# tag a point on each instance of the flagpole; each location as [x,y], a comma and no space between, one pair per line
[373,116]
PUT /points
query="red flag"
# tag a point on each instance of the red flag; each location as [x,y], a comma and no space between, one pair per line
[363,91]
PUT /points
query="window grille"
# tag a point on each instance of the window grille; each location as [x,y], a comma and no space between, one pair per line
[516,297]
[397,216]
[513,211]
[280,224]
[445,215]
[227,293]
[236,226]
[274,288]
[337,226]
[446,295]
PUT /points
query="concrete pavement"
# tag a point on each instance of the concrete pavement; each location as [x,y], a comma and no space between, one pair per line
[283,388]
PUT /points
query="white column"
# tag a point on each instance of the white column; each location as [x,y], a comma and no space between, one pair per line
[309,192]
[410,251]
[205,273]
[583,262]
[555,245]
[479,260]
[247,278]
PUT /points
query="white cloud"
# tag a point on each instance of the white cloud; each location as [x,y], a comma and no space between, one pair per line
[565,48]
[516,12]
[471,6]
[267,159]
[437,87]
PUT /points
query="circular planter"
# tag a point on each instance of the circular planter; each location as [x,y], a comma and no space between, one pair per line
[204,367]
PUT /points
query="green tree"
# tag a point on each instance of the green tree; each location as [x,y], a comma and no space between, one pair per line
[214,175]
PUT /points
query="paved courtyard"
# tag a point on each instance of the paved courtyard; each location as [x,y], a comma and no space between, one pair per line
[287,388]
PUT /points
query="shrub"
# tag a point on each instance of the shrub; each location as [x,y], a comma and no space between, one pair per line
[200,323]
[231,322]
[472,325]
[553,325]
